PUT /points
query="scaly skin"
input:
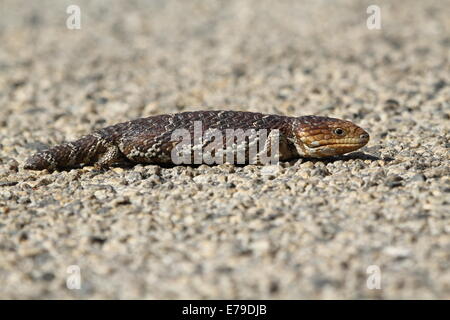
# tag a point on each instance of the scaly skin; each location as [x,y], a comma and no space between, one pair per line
[150,140]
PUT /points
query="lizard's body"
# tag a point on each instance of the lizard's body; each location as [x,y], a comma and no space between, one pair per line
[151,140]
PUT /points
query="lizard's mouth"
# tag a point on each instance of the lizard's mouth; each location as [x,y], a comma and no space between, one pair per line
[333,147]
[360,141]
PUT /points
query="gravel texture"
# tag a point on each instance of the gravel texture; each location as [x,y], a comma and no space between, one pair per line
[303,229]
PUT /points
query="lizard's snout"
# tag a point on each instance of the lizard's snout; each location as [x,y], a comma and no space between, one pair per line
[364,136]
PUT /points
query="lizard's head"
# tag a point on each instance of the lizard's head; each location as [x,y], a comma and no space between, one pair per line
[319,137]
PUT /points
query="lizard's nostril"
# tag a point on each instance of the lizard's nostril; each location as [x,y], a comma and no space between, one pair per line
[364,136]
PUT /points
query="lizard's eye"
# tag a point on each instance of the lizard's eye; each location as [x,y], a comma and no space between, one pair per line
[339,131]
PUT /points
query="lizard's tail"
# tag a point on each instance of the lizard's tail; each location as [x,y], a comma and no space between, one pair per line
[65,155]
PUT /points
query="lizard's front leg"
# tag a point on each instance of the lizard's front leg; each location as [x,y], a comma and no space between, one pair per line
[112,156]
